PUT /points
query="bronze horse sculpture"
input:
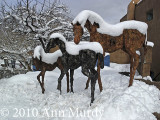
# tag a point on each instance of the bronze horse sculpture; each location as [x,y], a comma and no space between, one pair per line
[74,56]
[44,65]
[128,36]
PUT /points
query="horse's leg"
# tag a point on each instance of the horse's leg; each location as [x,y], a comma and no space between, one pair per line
[59,80]
[71,78]
[87,83]
[38,78]
[134,67]
[131,62]
[60,66]
[67,75]
[86,72]
[131,65]
[43,74]
[99,77]
[94,76]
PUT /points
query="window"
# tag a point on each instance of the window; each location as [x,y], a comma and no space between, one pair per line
[150,15]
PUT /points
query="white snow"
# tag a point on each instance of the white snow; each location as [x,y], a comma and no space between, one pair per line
[74,49]
[138,52]
[49,58]
[117,101]
[151,44]
[105,28]
[58,35]
[107,53]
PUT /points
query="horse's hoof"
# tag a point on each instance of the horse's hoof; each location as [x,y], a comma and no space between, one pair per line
[43,91]
[86,88]
[67,91]
[129,85]
[71,91]
[91,102]
[58,87]
[100,89]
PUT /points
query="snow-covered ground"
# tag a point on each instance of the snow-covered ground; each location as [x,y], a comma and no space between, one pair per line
[21,98]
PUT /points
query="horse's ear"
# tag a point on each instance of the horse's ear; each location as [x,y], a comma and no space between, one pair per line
[78,23]
[96,24]
[71,23]
[40,59]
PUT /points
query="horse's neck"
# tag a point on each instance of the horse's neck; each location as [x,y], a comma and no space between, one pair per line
[88,25]
[63,50]
[92,31]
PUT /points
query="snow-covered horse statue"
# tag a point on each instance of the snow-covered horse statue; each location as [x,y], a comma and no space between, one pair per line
[128,36]
[47,62]
[73,56]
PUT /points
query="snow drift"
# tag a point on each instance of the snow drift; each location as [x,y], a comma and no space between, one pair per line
[116,101]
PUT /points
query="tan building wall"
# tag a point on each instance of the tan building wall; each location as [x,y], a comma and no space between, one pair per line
[120,57]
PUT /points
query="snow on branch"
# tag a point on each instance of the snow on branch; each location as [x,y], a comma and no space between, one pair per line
[27,19]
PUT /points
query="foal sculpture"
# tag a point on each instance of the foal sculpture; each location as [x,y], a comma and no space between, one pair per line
[47,62]
[74,56]
[128,36]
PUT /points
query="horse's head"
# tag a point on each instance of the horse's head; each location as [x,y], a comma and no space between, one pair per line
[78,32]
[53,42]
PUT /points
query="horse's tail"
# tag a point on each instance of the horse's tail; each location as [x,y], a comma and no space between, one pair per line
[145,48]
[145,45]
[101,60]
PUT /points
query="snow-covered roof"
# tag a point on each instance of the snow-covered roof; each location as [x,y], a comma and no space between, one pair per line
[106,28]
[49,58]
[74,49]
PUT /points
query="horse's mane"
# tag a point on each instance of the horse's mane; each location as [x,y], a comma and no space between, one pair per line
[106,28]
[49,58]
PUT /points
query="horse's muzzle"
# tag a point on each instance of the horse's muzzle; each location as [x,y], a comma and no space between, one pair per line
[76,40]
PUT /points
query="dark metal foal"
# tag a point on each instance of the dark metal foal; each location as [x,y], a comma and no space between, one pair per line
[86,59]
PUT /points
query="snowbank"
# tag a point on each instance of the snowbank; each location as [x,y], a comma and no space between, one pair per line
[105,28]
[74,49]
[49,58]
[116,101]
